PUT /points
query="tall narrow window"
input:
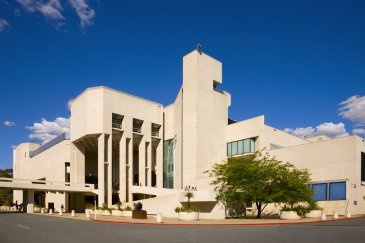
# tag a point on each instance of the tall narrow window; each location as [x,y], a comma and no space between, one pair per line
[363,166]
[168,164]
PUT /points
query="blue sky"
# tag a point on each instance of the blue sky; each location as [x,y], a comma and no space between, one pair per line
[300,63]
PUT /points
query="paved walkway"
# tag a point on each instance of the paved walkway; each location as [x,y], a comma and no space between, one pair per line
[151,220]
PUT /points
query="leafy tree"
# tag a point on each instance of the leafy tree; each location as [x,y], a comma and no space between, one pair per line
[189,195]
[260,179]
[6,195]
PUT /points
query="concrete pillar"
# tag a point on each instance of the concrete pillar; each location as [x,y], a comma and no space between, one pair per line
[110,176]
[142,162]
[122,169]
[78,165]
[30,201]
[130,172]
[159,165]
[149,164]
[101,161]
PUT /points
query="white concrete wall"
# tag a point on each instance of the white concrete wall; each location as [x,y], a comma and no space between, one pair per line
[330,160]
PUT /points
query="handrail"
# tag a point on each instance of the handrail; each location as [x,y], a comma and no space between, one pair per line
[117,125]
[6,179]
[137,129]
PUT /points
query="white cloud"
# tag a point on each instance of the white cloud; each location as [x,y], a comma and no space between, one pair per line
[301,131]
[69,103]
[329,129]
[359,131]
[53,10]
[9,123]
[353,109]
[48,130]
[4,24]
[83,10]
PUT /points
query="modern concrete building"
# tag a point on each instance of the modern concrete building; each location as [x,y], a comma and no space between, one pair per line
[134,149]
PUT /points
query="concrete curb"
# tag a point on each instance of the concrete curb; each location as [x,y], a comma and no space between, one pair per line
[220,224]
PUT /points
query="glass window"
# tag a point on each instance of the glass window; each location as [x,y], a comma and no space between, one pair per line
[246,145]
[337,190]
[252,145]
[240,147]
[320,192]
[234,148]
[168,164]
[229,149]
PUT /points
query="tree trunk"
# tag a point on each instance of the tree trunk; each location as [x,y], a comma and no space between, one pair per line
[259,209]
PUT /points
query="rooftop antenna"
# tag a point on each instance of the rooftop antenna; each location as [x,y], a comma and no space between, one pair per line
[198,48]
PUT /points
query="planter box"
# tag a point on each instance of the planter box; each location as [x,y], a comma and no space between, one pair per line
[105,213]
[314,214]
[192,216]
[139,214]
[117,213]
[289,215]
[127,213]
[37,209]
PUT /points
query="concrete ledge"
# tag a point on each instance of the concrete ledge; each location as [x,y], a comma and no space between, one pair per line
[192,216]
[314,214]
[289,215]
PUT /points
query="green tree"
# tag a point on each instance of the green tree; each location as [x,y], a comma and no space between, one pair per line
[6,195]
[260,179]
[189,195]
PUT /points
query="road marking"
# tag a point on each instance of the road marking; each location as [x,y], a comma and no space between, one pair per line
[22,226]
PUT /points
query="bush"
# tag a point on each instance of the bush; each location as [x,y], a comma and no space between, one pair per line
[186,209]
[89,206]
[127,208]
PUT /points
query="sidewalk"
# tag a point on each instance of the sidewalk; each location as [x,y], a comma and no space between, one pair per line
[151,220]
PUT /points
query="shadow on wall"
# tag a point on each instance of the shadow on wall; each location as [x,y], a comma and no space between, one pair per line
[203,207]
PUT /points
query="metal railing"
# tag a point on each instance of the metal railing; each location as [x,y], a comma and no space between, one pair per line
[155,134]
[137,129]
[46,183]
[117,125]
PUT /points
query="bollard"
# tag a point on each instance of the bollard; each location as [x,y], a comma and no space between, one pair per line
[60,213]
[72,213]
[323,217]
[348,214]
[51,211]
[335,215]
[42,210]
[159,217]
[87,214]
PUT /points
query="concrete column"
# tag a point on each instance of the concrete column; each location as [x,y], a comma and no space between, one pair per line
[78,165]
[101,157]
[130,160]
[122,169]
[142,162]
[149,164]
[110,166]
[159,164]
[30,201]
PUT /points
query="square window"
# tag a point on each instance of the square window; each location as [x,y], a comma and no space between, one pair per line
[337,190]
[320,192]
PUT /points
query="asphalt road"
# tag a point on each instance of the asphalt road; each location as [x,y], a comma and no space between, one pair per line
[26,228]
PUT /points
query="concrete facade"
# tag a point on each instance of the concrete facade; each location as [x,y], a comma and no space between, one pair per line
[133,149]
